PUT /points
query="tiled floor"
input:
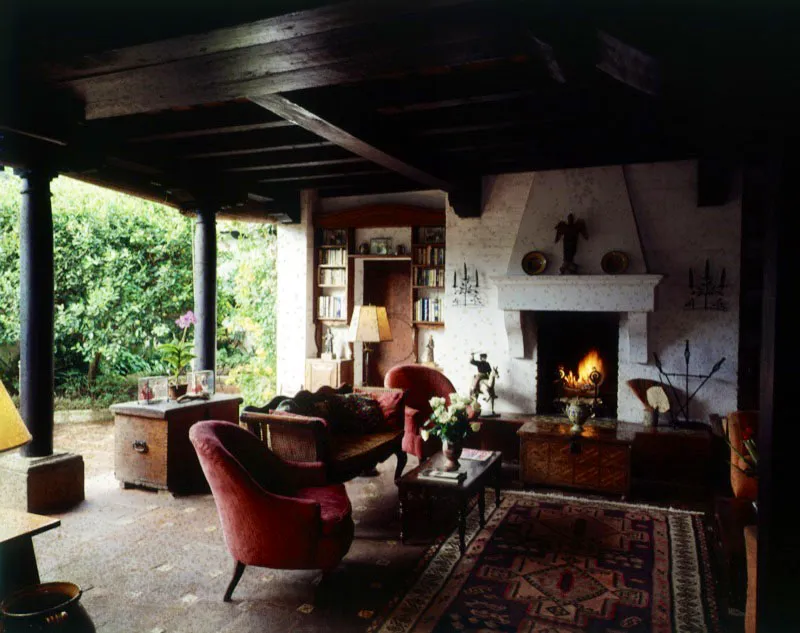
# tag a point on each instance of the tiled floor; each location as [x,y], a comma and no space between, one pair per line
[153,563]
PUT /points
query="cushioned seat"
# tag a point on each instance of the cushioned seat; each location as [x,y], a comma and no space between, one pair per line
[274,513]
[335,508]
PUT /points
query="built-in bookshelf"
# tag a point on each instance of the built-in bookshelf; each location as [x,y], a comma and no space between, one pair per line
[427,276]
[333,276]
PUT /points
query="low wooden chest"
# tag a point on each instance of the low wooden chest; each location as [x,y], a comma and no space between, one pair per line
[151,442]
[598,460]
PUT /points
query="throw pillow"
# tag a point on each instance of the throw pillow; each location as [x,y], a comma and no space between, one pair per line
[392,404]
[354,413]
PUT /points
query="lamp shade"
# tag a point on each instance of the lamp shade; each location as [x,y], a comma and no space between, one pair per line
[13,432]
[369,325]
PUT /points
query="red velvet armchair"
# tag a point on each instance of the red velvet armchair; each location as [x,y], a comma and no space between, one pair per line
[421,384]
[274,513]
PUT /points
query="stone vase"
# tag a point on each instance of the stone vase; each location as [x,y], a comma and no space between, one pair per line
[451,451]
[578,413]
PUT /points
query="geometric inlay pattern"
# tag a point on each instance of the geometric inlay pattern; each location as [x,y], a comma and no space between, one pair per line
[557,566]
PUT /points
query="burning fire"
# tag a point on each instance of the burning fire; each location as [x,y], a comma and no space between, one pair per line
[582,382]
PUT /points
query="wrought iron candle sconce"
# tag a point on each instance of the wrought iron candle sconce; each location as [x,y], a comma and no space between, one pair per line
[686,400]
[706,294]
[467,289]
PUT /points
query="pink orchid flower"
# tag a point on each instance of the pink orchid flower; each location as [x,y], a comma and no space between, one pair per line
[185,320]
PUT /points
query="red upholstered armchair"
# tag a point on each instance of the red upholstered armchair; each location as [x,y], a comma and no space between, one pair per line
[274,513]
[421,384]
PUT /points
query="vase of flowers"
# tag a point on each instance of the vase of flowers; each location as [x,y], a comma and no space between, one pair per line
[178,354]
[451,423]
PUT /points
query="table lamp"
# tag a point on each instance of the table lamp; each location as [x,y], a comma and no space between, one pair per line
[369,325]
[13,432]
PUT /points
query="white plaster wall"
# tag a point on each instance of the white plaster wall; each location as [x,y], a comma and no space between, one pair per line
[295,326]
[677,234]
[485,243]
[599,197]
[518,217]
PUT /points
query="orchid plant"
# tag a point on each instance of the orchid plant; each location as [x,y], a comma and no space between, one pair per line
[178,354]
[451,422]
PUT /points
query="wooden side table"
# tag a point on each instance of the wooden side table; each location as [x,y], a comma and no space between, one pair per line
[151,442]
[18,566]
[598,459]
[479,474]
[333,373]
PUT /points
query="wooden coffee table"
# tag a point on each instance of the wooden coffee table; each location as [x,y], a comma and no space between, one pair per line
[478,474]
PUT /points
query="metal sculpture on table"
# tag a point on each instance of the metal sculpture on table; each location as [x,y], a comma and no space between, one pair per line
[570,231]
[707,291]
[684,402]
[483,382]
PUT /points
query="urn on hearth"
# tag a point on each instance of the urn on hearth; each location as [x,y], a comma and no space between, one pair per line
[578,411]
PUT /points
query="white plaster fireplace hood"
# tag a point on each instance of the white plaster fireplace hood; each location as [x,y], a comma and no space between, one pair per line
[633,296]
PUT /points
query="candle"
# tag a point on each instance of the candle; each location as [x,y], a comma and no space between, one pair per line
[454,279]
[476,278]
[465,271]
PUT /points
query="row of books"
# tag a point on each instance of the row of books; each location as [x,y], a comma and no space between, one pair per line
[333,276]
[331,307]
[429,309]
[333,257]
[431,277]
[429,255]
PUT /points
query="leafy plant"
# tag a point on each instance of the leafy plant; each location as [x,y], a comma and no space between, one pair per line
[178,354]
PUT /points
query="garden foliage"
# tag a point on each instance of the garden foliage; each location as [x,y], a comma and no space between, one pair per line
[123,273]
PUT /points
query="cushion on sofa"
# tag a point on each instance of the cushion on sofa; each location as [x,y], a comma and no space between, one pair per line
[392,403]
[355,413]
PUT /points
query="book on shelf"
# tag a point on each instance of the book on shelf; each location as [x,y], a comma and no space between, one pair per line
[446,476]
[476,455]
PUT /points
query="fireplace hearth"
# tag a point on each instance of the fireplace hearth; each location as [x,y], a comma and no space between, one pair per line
[577,356]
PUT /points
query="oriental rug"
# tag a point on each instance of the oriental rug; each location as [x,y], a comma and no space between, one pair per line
[555,564]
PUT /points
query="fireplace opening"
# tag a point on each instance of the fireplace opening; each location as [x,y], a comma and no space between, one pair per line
[578,354]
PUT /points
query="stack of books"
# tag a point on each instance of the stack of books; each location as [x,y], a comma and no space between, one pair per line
[446,476]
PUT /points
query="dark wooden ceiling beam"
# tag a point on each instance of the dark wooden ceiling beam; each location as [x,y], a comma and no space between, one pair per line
[262,70]
[279,159]
[295,165]
[290,26]
[308,120]
[253,149]
[249,142]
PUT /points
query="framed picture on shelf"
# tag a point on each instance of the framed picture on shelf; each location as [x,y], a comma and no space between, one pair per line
[432,234]
[380,246]
[335,237]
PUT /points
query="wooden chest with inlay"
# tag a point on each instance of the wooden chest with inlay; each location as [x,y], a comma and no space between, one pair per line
[598,460]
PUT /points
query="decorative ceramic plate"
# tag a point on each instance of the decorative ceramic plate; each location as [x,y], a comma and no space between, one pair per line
[614,262]
[534,263]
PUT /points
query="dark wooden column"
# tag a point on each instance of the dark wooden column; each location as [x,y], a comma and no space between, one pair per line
[36,310]
[205,288]
[779,432]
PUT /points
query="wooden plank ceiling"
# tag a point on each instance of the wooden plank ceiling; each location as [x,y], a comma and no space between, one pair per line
[245,105]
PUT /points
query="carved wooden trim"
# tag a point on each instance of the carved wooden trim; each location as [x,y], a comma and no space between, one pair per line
[380,215]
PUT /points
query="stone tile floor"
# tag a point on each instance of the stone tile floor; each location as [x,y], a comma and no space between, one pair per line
[150,562]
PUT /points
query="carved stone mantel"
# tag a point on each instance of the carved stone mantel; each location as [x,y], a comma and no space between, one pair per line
[633,296]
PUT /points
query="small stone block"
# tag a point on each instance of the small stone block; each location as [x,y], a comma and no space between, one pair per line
[42,485]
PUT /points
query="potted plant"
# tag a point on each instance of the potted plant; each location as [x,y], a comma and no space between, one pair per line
[178,354]
[452,423]
[740,435]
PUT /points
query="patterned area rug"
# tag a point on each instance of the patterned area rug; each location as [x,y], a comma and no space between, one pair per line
[553,564]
